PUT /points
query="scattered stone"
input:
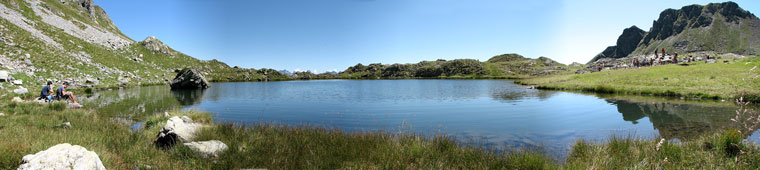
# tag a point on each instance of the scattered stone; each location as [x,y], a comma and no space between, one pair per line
[17,100]
[75,106]
[4,76]
[207,148]
[64,125]
[2,114]
[63,156]
[166,114]
[176,130]
[189,79]
[18,82]
[21,90]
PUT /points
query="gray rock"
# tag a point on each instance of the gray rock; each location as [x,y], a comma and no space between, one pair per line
[166,114]
[4,76]
[176,130]
[186,119]
[156,46]
[189,79]
[18,82]
[17,100]
[2,114]
[207,148]
[21,90]
[75,106]
[64,125]
[63,156]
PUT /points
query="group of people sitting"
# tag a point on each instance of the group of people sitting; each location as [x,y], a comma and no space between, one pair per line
[60,94]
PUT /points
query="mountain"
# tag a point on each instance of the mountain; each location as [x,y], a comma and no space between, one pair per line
[501,66]
[715,27]
[76,41]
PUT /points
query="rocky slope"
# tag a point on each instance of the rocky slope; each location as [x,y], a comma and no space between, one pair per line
[715,27]
[76,41]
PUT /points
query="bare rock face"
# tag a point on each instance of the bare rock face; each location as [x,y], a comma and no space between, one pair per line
[156,46]
[207,148]
[189,79]
[176,130]
[63,156]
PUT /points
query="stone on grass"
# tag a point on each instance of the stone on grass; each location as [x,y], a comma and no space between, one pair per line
[18,82]
[75,106]
[62,156]
[17,100]
[21,90]
[2,114]
[4,76]
[207,148]
[176,130]
[64,125]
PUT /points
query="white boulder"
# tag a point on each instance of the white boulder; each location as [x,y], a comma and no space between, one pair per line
[21,90]
[176,130]
[63,156]
[17,100]
[207,148]
[4,76]
[17,82]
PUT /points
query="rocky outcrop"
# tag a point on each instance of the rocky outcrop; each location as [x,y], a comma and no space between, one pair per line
[189,79]
[62,156]
[156,46]
[718,27]
[506,58]
[207,148]
[626,43]
[176,130]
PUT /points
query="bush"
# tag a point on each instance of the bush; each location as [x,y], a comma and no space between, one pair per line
[730,142]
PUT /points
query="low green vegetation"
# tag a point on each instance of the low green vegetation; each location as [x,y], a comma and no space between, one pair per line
[696,80]
[30,127]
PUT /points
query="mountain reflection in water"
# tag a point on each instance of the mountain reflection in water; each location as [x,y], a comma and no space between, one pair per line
[498,113]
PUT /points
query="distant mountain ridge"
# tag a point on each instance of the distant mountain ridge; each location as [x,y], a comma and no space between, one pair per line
[719,27]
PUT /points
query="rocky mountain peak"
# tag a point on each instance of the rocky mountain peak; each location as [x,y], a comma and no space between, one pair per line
[156,46]
[674,21]
[87,5]
[626,43]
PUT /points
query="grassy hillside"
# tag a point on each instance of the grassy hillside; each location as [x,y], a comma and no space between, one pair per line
[697,80]
[498,67]
[77,54]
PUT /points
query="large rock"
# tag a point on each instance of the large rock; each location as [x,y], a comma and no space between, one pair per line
[21,90]
[62,156]
[189,79]
[207,148]
[156,46]
[5,76]
[176,130]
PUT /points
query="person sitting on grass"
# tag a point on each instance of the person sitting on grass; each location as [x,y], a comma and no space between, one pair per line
[63,94]
[47,92]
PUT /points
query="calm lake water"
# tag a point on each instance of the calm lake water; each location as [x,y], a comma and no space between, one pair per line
[495,113]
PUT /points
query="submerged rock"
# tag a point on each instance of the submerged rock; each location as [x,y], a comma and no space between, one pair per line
[207,148]
[62,156]
[189,79]
[176,130]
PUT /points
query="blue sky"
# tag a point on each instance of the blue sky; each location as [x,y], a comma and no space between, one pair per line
[325,35]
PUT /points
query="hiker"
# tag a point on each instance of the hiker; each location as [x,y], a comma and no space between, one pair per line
[675,58]
[63,94]
[47,92]
[655,53]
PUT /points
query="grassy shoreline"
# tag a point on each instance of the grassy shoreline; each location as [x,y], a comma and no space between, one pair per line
[695,81]
[29,128]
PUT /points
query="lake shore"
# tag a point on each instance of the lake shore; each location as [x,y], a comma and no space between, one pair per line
[30,127]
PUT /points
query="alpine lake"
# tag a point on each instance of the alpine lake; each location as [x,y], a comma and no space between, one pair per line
[496,114]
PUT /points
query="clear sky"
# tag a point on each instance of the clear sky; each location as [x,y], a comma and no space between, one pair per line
[326,35]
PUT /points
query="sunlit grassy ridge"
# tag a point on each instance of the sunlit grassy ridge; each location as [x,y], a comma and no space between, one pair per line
[697,80]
